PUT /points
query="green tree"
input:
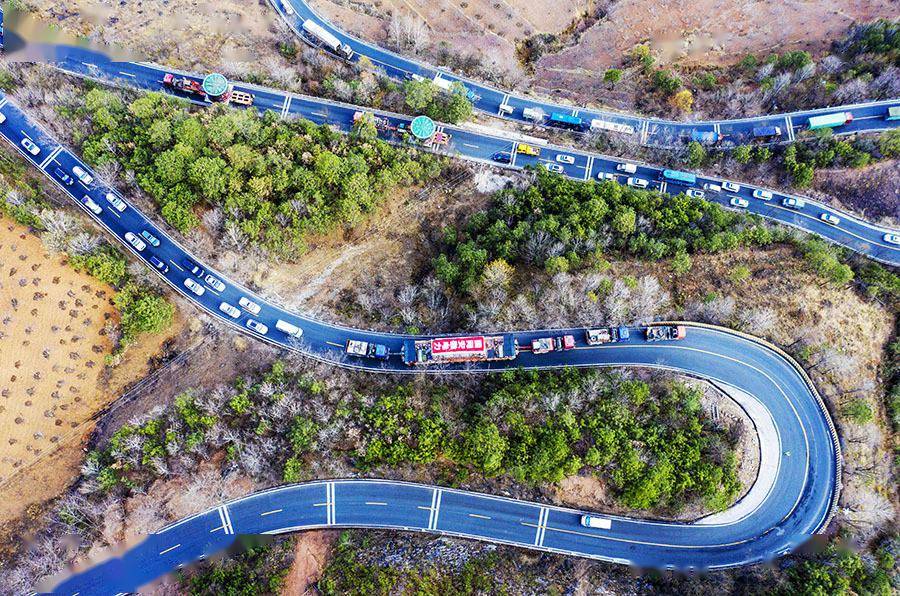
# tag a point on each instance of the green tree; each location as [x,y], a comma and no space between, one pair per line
[482,446]
[142,312]
[696,155]
[419,95]
[742,154]
[613,75]
[858,410]
[681,263]
[889,143]
[625,221]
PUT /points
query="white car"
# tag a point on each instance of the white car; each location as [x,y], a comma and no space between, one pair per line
[695,194]
[762,195]
[2,117]
[116,202]
[85,178]
[257,326]
[606,176]
[739,202]
[229,310]
[134,241]
[830,218]
[90,204]
[562,158]
[731,186]
[892,239]
[249,305]
[288,9]
[215,283]
[793,203]
[30,146]
[637,182]
[554,167]
[712,187]
[194,287]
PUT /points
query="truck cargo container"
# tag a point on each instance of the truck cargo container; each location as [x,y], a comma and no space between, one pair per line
[665,332]
[366,349]
[678,176]
[893,113]
[534,114]
[452,86]
[318,36]
[526,149]
[605,335]
[542,345]
[765,132]
[706,137]
[442,350]
[565,121]
[830,120]
[598,124]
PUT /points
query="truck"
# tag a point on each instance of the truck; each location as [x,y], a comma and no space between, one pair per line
[438,139]
[183,84]
[318,36]
[445,350]
[830,120]
[567,121]
[366,349]
[288,328]
[605,335]
[665,332]
[380,122]
[448,86]
[526,149]
[597,124]
[194,87]
[706,137]
[765,132]
[543,345]
[534,114]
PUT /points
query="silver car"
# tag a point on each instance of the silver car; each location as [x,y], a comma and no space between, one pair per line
[249,305]
[194,287]
[116,202]
[85,178]
[257,326]
[214,283]
[134,241]
[229,310]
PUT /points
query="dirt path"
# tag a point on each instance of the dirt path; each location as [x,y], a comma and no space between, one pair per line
[312,552]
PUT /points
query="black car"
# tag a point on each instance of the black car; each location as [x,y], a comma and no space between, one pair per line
[66,179]
[193,267]
[159,264]
[502,157]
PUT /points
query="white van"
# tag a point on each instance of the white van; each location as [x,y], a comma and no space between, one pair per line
[288,328]
[288,9]
[628,168]
[712,187]
[592,521]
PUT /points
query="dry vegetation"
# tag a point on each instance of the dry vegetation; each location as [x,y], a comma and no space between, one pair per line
[55,333]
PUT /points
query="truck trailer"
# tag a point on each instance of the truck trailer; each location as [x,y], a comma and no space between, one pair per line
[318,36]
[830,120]
[443,350]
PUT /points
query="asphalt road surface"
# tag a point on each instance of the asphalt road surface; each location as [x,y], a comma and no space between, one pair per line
[869,116]
[798,505]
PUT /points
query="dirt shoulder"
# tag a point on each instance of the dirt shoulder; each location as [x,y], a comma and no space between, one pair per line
[53,381]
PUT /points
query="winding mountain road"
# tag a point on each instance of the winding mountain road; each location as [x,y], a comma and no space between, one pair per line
[798,504]
[479,145]
[868,116]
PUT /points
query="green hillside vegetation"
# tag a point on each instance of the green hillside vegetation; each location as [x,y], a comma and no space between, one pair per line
[275,181]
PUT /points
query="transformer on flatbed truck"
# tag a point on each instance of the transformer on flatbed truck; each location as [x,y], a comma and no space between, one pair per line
[606,335]
[665,332]
[367,349]
[459,349]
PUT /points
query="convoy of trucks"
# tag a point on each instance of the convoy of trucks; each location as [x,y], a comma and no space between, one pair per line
[442,350]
